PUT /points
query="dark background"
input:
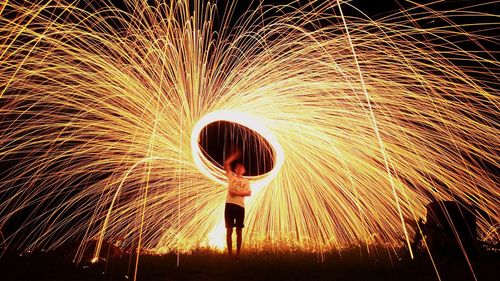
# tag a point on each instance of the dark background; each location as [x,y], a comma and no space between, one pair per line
[219,139]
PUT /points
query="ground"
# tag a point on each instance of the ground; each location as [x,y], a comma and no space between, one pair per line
[351,265]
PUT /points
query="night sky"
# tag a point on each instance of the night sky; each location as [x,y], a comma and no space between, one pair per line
[219,139]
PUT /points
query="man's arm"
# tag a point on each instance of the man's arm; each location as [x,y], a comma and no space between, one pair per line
[234,192]
[246,191]
[227,163]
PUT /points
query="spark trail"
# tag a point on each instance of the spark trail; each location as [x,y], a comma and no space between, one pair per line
[99,105]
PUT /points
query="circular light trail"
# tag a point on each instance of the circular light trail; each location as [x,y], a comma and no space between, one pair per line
[215,173]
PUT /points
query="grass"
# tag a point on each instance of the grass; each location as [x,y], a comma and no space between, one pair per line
[350,265]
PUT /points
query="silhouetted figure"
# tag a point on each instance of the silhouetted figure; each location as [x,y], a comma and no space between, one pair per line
[450,235]
[234,214]
[449,229]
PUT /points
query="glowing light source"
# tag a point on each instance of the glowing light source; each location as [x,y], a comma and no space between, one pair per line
[217,174]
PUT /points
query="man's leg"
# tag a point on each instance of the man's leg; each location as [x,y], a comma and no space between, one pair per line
[238,240]
[229,240]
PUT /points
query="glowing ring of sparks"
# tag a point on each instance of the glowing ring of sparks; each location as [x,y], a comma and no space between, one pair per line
[254,123]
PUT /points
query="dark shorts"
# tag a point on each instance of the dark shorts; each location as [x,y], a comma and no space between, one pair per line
[234,216]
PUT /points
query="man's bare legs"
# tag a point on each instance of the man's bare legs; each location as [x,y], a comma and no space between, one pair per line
[229,240]
[238,240]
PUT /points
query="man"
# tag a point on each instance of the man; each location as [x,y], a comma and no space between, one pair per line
[234,214]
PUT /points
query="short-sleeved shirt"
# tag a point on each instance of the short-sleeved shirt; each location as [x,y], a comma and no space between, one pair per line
[237,184]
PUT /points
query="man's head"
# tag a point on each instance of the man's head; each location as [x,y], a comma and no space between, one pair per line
[239,168]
